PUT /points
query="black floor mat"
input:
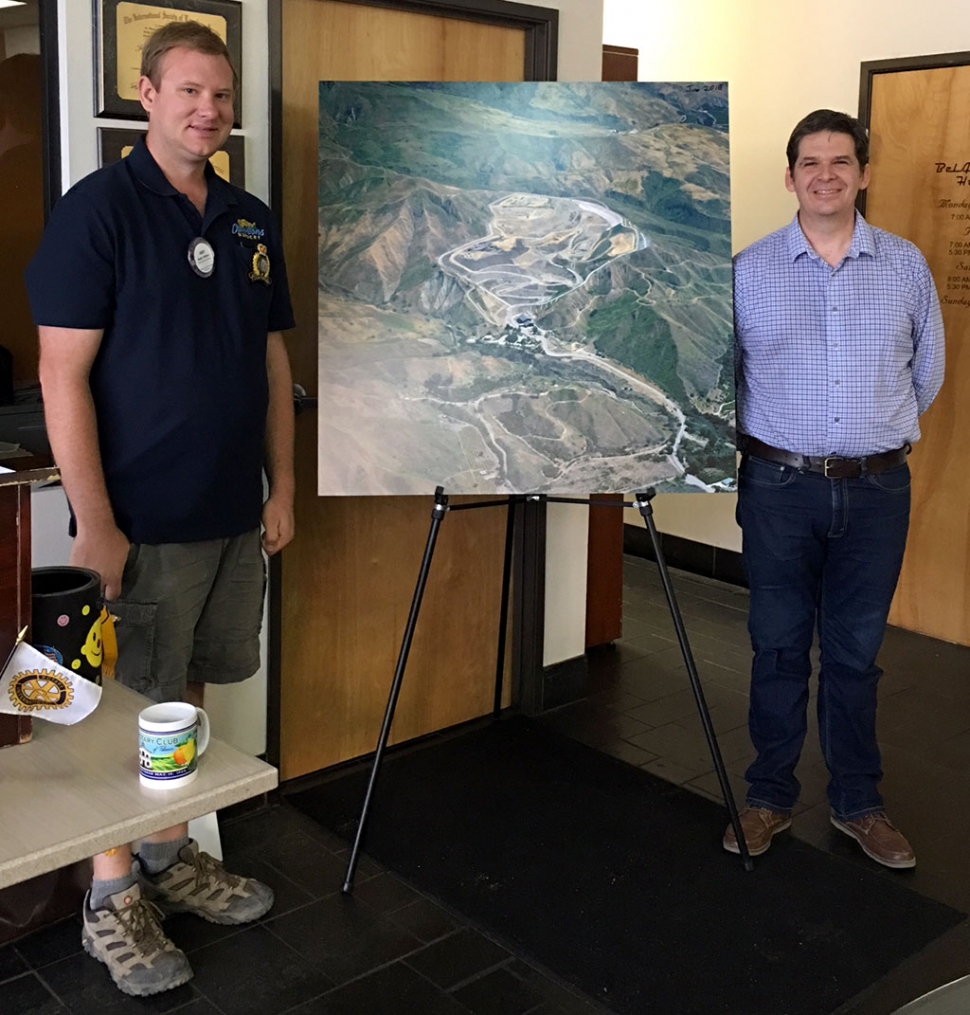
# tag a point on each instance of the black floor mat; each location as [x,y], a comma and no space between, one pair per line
[616,880]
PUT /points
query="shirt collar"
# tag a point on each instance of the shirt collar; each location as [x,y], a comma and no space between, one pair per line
[863,240]
[794,237]
[149,174]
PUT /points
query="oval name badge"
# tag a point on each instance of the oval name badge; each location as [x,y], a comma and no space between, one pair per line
[202,258]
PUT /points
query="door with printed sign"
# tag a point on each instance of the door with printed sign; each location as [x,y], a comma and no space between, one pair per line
[916,111]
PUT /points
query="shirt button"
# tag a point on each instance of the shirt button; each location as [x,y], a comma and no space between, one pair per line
[837,382]
[838,419]
[835,310]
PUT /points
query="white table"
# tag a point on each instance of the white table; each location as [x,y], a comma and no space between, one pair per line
[74,791]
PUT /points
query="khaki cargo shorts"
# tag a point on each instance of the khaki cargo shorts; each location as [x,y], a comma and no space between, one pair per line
[190,612]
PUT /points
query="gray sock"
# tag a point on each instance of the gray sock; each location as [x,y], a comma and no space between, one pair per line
[156,856]
[100,890]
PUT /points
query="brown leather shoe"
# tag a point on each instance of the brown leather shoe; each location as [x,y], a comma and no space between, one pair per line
[879,839]
[759,825]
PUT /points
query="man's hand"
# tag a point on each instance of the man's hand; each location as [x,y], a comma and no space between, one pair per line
[104,551]
[278,524]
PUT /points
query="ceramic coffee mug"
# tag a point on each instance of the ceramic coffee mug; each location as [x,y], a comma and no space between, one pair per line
[171,736]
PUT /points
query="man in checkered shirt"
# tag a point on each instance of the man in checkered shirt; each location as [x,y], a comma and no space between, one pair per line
[839,351]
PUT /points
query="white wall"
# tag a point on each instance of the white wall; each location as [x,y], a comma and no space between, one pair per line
[49,517]
[580,38]
[781,61]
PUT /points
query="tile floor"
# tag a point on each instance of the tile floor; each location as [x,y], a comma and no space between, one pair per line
[390,951]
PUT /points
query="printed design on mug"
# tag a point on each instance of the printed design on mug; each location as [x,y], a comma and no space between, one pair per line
[109,643]
[40,690]
[167,755]
[91,649]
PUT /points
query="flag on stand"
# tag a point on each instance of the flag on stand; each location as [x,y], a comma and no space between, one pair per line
[33,684]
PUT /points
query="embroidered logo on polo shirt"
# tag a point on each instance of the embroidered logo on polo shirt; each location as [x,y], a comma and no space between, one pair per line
[247,230]
[260,272]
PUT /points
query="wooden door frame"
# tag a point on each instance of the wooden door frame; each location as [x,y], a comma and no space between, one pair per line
[871,68]
[541,27]
[540,24]
[50,97]
[868,72]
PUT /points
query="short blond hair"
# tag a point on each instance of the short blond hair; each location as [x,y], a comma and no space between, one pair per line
[182,35]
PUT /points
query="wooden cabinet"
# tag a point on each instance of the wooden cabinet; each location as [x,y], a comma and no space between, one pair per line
[15,566]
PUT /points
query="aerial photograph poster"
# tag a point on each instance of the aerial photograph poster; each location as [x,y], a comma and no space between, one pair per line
[525,288]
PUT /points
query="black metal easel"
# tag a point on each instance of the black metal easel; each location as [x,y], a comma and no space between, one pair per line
[642,503]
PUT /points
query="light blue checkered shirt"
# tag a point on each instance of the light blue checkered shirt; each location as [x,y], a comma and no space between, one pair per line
[835,361]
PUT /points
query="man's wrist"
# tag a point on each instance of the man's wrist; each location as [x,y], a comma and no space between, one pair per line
[97,526]
[282,487]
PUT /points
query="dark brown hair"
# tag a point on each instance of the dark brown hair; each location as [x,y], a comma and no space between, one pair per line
[829,121]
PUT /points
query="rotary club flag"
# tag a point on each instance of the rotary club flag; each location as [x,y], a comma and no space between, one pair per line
[32,684]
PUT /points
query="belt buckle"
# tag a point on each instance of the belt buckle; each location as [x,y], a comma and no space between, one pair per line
[825,464]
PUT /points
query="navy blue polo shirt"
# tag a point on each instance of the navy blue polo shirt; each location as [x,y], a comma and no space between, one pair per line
[179,383]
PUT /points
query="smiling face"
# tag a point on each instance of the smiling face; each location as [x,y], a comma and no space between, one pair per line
[826,176]
[190,112]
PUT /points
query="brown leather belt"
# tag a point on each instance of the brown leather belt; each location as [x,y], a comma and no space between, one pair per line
[832,467]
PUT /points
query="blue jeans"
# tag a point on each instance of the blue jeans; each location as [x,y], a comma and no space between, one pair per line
[825,552]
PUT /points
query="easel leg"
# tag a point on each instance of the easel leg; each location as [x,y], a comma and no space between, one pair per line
[437,515]
[646,510]
[503,621]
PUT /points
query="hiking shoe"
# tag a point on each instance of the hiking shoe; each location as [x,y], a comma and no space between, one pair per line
[126,935]
[198,883]
[759,826]
[879,839]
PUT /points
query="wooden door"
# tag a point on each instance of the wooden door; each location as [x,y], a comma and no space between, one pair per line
[348,579]
[620,63]
[918,124]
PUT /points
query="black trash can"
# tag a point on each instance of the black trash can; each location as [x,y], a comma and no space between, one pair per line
[66,615]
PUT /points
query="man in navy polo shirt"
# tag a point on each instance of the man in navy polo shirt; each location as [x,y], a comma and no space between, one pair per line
[160,292]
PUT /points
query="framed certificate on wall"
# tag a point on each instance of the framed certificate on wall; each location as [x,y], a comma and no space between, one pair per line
[115,143]
[122,28]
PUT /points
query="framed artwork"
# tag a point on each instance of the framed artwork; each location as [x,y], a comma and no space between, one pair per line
[524,288]
[114,143]
[121,30]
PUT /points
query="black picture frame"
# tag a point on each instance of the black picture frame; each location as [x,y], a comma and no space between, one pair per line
[113,140]
[52,104]
[107,100]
